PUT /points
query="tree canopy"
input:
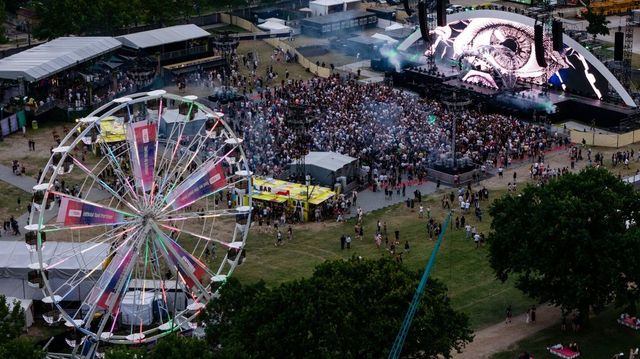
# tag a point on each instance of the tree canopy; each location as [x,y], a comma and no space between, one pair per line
[567,242]
[597,23]
[171,346]
[346,309]
[12,324]
[105,17]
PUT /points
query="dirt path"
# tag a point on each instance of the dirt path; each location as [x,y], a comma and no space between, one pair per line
[500,337]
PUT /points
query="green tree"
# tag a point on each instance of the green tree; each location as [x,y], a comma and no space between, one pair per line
[12,324]
[346,309]
[171,346]
[567,242]
[58,18]
[162,12]
[3,18]
[597,24]
[21,348]
[11,321]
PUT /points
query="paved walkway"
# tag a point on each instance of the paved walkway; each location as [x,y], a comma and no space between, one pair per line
[26,184]
[500,337]
[370,201]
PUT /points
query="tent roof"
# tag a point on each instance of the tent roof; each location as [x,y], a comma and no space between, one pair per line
[274,26]
[14,256]
[54,56]
[163,36]
[331,161]
[331,2]
[386,38]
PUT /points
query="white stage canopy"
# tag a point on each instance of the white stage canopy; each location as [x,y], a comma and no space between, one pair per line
[163,36]
[54,56]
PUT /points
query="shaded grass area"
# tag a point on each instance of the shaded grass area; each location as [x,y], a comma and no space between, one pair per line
[602,339]
[465,269]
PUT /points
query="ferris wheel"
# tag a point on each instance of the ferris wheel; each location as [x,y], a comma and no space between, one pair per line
[130,242]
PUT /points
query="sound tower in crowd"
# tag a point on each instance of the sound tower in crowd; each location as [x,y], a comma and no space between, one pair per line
[441,12]
[407,8]
[556,34]
[618,46]
[538,40]
[422,18]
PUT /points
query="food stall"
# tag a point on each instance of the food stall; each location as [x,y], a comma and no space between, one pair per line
[296,200]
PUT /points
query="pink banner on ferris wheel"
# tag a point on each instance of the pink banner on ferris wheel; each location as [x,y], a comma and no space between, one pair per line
[206,180]
[142,143]
[73,212]
[107,285]
[172,251]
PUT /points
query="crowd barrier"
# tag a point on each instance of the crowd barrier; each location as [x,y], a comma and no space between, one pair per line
[249,26]
[605,140]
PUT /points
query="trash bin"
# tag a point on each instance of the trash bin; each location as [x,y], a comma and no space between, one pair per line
[34,124]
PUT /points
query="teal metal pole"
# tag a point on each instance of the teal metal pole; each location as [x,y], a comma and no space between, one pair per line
[398,343]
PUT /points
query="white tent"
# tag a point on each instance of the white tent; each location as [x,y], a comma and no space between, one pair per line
[325,7]
[393,26]
[274,27]
[27,306]
[388,39]
[54,56]
[136,308]
[275,19]
[15,259]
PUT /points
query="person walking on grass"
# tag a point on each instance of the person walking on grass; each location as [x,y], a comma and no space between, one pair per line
[509,314]
[278,238]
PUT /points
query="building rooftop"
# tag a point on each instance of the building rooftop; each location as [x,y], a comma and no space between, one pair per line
[338,16]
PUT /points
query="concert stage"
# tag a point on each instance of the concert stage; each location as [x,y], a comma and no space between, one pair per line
[523,99]
[495,58]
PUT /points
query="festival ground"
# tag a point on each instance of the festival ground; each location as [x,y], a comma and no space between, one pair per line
[473,288]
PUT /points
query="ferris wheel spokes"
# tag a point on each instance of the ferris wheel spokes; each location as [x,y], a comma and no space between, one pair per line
[198,138]
[213,213]
[104,185]
[190,269]
[77,278]
[186,231]
[118,171]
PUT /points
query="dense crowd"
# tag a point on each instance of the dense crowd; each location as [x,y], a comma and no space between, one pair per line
[391,131]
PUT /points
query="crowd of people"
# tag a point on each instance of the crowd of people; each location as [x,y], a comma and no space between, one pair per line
[391,131]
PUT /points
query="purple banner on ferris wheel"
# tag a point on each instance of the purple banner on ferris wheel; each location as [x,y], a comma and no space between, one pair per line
[142,143]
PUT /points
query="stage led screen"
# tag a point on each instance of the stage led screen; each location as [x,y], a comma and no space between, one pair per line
[504,50]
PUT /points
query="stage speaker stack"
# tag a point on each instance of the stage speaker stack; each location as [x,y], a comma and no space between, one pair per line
[422,18]
[618,46]
[441,12]
[407,8]
[557,35]
[538,41]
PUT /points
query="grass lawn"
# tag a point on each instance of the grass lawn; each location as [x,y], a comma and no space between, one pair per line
[601,340]
[230,28]
[472,285]
[264,52]
[9,201]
